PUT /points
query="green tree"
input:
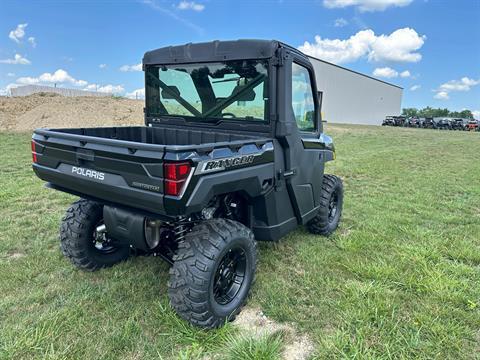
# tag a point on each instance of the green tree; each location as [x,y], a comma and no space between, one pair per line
[410,112]
[432,112]
[467,114]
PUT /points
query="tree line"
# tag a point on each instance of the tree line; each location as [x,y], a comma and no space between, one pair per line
[431,112]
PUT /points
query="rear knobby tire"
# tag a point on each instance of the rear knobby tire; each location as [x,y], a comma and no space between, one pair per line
[77,240]
[327,219]
[199,282]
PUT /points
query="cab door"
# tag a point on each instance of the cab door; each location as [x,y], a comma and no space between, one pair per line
[306,152]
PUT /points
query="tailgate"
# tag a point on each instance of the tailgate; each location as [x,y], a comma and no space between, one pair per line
[114,171]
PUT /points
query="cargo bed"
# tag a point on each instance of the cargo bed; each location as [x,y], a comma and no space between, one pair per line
[125,165]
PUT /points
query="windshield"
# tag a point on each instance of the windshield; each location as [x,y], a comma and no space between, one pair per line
[231,90]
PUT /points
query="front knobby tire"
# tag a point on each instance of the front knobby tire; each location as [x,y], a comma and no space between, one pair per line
[331,203]
[212,273]
[81,242]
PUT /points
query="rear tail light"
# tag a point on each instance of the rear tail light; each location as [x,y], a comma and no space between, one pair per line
[34,152]
[176,175]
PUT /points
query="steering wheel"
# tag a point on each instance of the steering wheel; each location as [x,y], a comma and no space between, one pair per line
[229,114]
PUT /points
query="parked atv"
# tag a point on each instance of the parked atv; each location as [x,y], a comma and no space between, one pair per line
[414,122]
[399,121]
[459,124]
[429,123]
[389,121]
[232,151]
[473,125]
[443,123]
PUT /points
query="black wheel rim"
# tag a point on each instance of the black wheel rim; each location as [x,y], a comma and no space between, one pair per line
[333,206]
[230,276]
[101,242]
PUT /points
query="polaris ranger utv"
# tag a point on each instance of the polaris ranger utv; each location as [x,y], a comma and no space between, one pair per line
[232,151]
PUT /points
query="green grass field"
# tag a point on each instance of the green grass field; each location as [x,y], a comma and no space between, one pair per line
[399,279]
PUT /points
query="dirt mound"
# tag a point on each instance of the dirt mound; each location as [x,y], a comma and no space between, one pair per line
[53,110]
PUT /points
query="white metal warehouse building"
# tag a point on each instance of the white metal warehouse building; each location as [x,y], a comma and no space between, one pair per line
[354,98]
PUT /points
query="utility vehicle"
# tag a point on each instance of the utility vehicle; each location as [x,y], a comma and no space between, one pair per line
[232,151]
[443,123]
[400,120]
[459,124]
[413,122]
[418,122]
[388,121]
[429,123]
[473,125]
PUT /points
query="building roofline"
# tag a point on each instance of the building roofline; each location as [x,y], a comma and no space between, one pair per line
[353,71]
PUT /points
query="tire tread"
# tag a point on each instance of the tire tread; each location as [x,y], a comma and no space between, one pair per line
[319,225]
[189,276]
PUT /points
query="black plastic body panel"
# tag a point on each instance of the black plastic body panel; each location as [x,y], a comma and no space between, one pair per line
[212,51]
[127,165]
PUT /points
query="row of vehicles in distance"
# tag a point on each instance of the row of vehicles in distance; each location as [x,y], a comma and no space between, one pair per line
[442,123]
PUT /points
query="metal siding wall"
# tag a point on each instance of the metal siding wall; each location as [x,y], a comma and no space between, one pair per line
[353,98]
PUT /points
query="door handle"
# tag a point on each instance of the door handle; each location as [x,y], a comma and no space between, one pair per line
[289,173]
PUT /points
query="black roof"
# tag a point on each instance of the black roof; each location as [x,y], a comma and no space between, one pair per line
[227,50]
[214,51]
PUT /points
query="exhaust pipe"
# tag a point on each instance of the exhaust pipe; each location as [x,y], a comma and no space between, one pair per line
[132,229]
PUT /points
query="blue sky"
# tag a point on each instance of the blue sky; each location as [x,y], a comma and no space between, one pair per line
[430,48]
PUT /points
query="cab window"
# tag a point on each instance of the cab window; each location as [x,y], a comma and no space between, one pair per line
[302,98]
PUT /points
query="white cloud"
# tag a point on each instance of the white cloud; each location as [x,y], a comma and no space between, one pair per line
[385,72]
[32,41]
[405,74]
[27,80]
[17,34]
[464,84]
[17,60]
[190,5]
[399,46]
[340,51]
[62,77]
[442,95]
[340,22]
[136,94]
[127,68]
[58,77]
[366,5]
[476,114]
[415,87]
[10,74]
[102,66]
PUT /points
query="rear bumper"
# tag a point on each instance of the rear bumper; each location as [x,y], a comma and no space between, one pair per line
[113,189]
